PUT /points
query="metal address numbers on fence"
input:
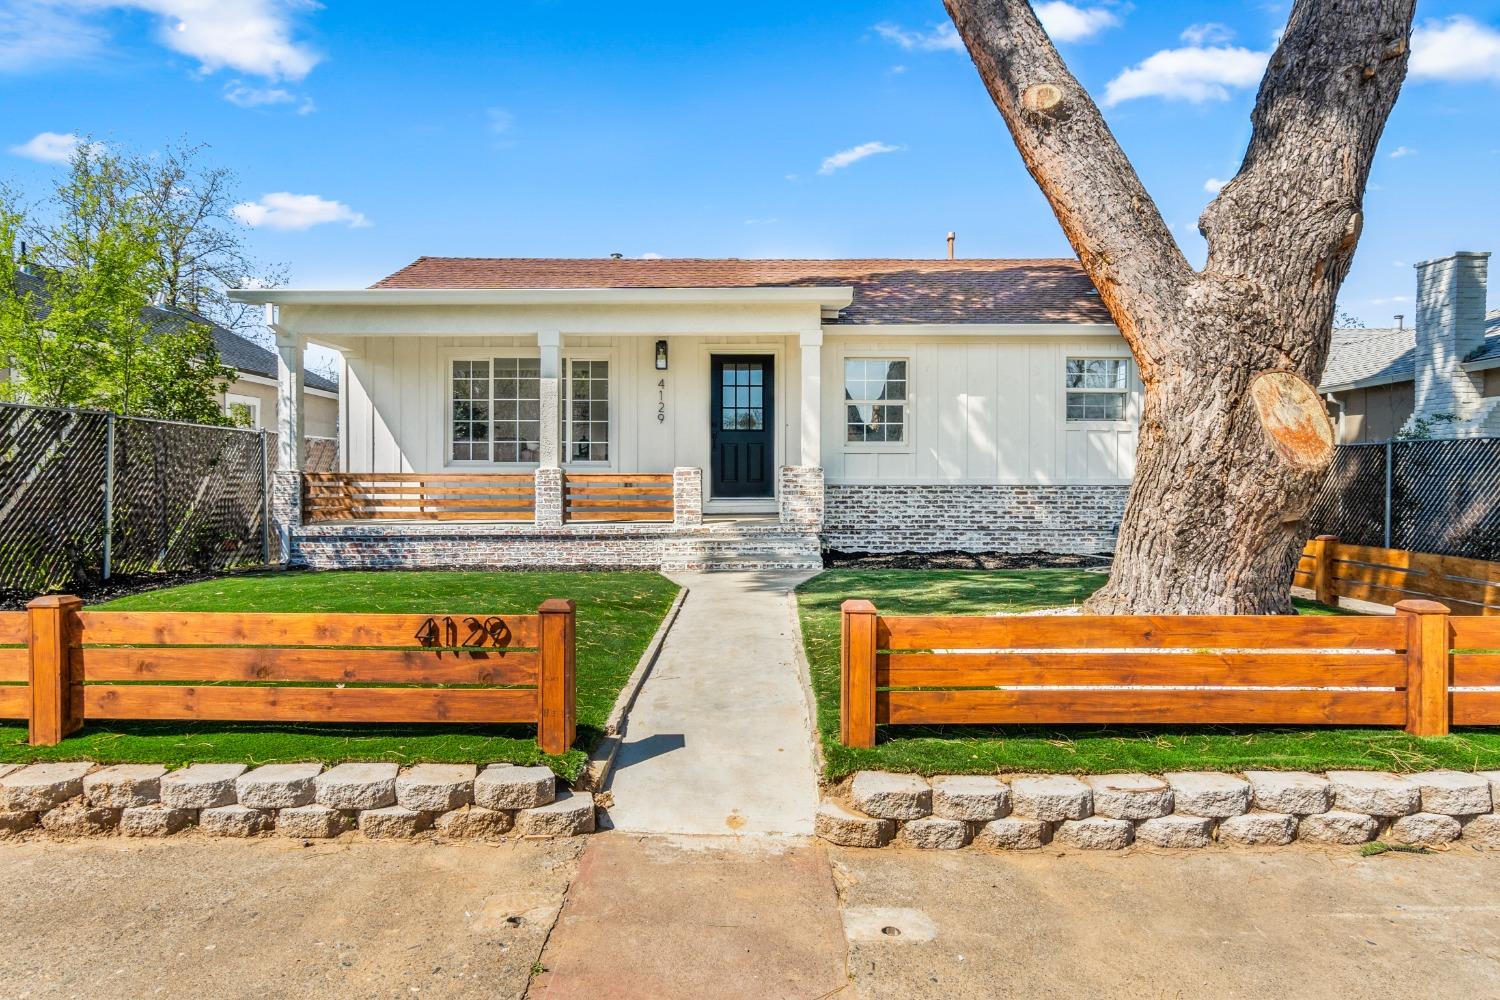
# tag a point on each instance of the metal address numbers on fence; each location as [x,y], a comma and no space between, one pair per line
[62,665]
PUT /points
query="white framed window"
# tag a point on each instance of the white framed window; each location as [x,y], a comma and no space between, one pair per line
[585,410]
[243,410]
[496,410]
[875,401]
[1096,388]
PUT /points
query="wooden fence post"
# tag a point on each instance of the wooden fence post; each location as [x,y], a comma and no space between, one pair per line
[857,675]
[557,719]
[1428,667]
[55,712]
[1325,587]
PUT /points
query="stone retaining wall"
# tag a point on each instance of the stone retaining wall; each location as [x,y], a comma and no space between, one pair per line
[456,801]
[1185,810]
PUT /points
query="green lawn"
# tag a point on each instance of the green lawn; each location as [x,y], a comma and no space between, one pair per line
[1075,749]
[617,615]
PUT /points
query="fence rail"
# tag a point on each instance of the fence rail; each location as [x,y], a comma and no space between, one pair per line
[477,496]
[1227,670]
[65,665]
[1438,496]
[1332,569]
[617,497]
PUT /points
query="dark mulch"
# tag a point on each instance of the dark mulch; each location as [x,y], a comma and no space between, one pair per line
[118,586]
[962,560]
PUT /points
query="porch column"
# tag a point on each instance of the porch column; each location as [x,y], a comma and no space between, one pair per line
[812,399]
[289,348]
[550,344]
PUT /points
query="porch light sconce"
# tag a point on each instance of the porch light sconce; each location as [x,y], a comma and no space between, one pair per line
[661,355]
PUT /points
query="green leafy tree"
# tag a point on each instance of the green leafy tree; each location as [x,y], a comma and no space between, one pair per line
[75,326]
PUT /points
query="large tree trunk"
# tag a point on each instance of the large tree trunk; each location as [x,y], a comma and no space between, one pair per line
[1234,443]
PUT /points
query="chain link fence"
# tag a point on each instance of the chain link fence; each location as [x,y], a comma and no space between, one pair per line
[85,496]
[1440,496]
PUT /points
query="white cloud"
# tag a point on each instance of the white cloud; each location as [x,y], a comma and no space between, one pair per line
[293,212]
[941,37]
[244,96]
[1392,300]
[650,256]
[1193,74]
[771,221]
[1066,22]
[1213,185]
[1207,33]
[1458,48]
[854,154]
[41,32]
[1401,151]
[250,36]
[49,147]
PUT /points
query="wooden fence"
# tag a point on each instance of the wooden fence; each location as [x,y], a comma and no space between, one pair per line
[1334,569]
[78,665]
[1189,670]
[617,497]
[431,496]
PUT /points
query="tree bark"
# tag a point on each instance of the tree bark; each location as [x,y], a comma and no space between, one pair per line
[1234,442]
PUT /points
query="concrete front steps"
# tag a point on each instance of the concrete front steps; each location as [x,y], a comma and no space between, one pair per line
[742,545]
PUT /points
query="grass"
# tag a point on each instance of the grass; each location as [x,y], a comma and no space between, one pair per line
[617,615]
[1076,749]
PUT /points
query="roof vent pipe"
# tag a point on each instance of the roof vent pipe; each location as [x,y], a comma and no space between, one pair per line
[951,238]
[1400,322]
[617,256]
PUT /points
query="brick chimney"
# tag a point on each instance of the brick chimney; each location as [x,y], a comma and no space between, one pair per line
[1449,327]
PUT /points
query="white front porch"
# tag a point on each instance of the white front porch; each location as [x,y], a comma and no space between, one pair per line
[639,384]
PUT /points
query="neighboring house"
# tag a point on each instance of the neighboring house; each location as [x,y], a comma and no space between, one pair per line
[251,396]
[1439,378]
[864,405]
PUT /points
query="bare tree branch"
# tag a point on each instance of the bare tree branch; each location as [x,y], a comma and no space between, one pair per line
[1109,218]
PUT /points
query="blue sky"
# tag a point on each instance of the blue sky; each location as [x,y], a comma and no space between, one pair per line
[365,134]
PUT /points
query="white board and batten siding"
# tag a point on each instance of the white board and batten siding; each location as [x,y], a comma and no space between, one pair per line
[983,410]
[980,409]
[398,400]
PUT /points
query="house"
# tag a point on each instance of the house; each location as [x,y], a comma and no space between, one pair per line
[1437,379]
[786,406]
[252,394]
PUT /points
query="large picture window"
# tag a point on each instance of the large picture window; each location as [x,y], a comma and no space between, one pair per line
[1096,388]
[586,411]
[875,400]
[497,410]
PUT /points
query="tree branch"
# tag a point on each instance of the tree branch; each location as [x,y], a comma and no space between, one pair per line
[1111,221]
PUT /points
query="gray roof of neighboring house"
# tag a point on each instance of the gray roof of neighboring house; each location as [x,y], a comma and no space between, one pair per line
[1386,355]
[238,352]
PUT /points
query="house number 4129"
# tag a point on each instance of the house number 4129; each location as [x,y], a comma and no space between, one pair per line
[661,401]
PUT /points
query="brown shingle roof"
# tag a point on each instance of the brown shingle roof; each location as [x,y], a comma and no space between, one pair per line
[885,291]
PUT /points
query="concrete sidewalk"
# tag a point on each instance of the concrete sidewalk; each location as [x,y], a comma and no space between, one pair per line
[720,741]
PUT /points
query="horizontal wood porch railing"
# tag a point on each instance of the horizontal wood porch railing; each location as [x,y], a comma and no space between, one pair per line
[430,496]
[77,665]
[617,496]
[1333,569]
[1417,669]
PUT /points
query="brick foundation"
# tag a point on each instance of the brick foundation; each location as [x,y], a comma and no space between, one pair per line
[802,494]
[972,518]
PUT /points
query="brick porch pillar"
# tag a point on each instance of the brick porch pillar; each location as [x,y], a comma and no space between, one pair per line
[687,497]
[802,497]
[549,497]
[286,514]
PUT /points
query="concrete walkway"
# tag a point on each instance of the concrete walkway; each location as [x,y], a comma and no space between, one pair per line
[719,741]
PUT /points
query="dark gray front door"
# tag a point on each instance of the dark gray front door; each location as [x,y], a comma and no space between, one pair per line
[743,448]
